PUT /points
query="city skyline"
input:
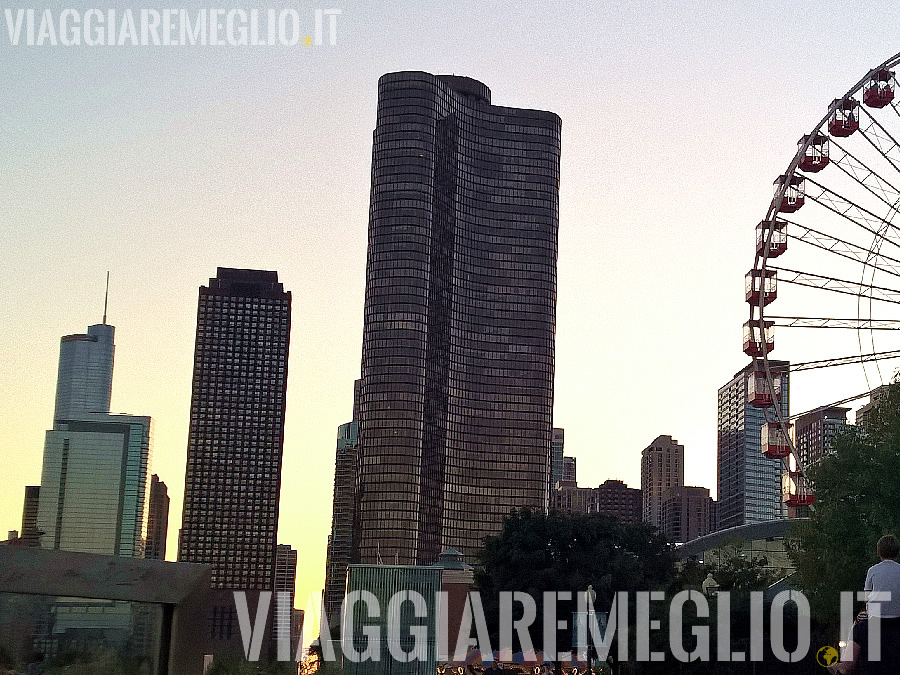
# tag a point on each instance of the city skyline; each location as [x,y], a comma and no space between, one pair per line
[305,215]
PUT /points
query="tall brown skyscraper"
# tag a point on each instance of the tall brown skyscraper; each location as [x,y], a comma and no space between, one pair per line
[236,435]
[158,520]
[460,312]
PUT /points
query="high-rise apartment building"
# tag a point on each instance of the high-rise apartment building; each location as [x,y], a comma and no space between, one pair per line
[455,415]
[557,449]
[875,396]
[569,470]
[94,492]
[30,534]
[236,434]
[662,468]
[94,481]
[616,499]
[158,521]
[749,484]
[814,433]
[686,513]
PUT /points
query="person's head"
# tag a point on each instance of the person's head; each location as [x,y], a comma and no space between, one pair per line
[888,547]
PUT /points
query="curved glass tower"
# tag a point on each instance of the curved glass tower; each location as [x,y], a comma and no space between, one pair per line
[456,401]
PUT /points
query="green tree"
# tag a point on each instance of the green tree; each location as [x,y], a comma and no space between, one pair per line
[857,501]
[535,553]
[733,571]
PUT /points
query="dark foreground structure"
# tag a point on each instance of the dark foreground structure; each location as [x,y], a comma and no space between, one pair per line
[104,613]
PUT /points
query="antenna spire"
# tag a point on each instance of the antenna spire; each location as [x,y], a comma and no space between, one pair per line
[106,297]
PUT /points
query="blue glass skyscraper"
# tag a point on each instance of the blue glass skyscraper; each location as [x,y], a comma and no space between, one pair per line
[95,476]
[749,483]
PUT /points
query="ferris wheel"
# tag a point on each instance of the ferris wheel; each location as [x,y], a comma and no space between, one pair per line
[826,271]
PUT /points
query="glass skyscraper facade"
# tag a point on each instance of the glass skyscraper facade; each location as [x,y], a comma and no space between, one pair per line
[94,482]
[94,492]
[749,483]
[84,382]
[460,310]
[557,449]
[236,432]
[396,622]
[340,541]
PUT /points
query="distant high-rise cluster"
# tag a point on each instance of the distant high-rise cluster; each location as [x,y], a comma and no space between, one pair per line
[681,512]
[613,498]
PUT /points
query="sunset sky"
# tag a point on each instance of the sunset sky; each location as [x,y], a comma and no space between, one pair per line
[161,163]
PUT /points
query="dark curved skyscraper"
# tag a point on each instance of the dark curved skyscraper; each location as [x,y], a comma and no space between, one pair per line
[456,402]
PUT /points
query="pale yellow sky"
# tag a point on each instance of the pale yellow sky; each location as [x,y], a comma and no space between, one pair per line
[162,164]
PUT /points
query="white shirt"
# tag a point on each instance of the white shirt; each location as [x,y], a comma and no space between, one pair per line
[884,578]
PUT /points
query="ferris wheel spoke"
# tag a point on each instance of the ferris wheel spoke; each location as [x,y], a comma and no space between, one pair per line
[895,109]
[820,408]
[835,285]
[853,212]
[828,322]
[882,140]
[843,248]
[845,360]
[863,174]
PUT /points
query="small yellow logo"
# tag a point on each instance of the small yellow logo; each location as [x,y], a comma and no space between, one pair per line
[827,656]
[307,41]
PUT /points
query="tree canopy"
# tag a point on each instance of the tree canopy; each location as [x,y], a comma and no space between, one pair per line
[857,501]
[535,553]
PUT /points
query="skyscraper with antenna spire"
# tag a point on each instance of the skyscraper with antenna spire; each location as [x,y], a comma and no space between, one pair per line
[106,297]
[95,476]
